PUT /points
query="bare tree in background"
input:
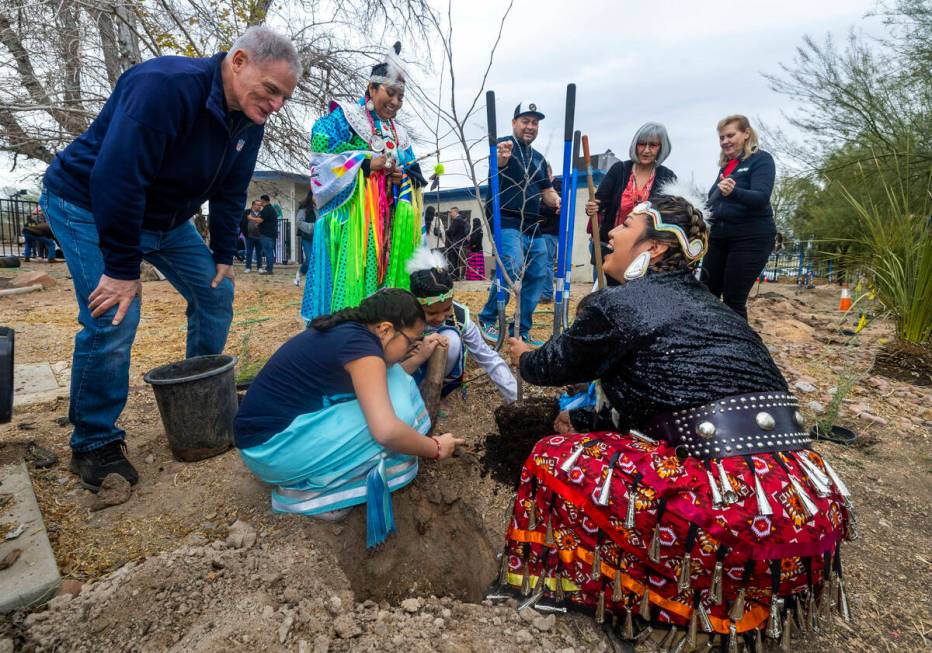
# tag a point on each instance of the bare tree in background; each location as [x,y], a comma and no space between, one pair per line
[60,59]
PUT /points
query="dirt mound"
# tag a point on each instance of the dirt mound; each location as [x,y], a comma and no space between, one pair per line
[277,596]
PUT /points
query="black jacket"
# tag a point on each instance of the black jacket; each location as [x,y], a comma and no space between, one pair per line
[747,210]
[612,186]
[269,224]
[658,344]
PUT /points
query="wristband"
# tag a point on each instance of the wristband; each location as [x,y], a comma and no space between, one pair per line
[437,442]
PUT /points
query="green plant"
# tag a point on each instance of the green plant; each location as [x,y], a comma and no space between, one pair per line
[895,251]
[845,384]
[248,365]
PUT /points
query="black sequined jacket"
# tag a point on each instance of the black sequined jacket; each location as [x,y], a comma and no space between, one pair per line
[658,344]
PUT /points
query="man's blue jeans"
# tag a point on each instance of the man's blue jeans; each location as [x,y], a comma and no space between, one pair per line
[253,245]
[33,242]
[268,251]
[551,241]
[100,366]
[519,250]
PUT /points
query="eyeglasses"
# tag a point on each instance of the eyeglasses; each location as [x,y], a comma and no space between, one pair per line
[412,342]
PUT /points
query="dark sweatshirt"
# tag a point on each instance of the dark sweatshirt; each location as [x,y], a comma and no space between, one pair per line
[163,144]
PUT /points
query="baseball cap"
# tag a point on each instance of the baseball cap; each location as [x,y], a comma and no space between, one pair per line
[528,109]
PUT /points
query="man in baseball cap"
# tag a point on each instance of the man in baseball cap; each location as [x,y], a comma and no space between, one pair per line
[524,185]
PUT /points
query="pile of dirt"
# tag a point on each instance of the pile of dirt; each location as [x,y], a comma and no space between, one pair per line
[281,594]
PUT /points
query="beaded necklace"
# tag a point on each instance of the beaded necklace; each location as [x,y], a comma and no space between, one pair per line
[378,136]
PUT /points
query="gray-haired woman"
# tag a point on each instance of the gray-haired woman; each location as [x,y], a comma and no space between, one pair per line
[628,183]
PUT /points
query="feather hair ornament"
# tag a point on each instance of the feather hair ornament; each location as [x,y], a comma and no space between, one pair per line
[684,189]
[425,258]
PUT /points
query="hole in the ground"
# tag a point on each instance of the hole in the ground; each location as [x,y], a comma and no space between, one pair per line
[441,548]
[520,426]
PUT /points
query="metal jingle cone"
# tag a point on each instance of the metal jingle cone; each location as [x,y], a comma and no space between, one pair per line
[812,612]
[600,607]
[560,595]
[532,514]
[644,634]
[836,479]
[628,632]
[800,615]
[667,642]
[680,645]
[692,635]
[763,504]
[525,580]
[715,591]
[548,537]
[821,488]
[773,620]
[737,608]
[728,491]
[644,607]
[813,470]
[732,638]
[539,588]
[568,464]
[805,501]
[617,592]
[833,590]
[503,569]
[629,515]
[843,609]
[597,563]
[653,550]
[704,622]
[606,491]
[713,487]
[682,582]
[758,641]
[785,638]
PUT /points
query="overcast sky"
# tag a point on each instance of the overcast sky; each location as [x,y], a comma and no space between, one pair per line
[683,63]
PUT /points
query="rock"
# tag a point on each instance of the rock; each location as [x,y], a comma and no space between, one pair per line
[150,459]
[804,386]
[6,645]
[524,636]
[285,628]
[334,605]
[816,407]
[114,490]
[788,330]
[321,644]
[545,623]
[70,586]
[32,279]
[411,605]
[876,419]
[885,523]
[268,611]
[346,627]
[241,536]
[857,409]
[877,382]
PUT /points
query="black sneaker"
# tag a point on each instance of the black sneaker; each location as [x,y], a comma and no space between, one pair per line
[93,466]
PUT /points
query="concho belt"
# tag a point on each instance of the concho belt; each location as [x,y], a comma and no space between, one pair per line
[759,422]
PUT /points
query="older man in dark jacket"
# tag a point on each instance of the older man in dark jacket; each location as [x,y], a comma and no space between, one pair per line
[176,132]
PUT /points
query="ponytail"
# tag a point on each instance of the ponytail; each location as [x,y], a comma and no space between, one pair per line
[394,305]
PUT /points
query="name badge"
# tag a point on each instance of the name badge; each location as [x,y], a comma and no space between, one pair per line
[240,143]
[742,169]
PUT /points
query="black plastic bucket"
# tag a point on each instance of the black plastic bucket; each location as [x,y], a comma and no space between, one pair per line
[197,402]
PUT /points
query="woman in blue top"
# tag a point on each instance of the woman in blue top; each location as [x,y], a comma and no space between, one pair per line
[743,230]
[333,421]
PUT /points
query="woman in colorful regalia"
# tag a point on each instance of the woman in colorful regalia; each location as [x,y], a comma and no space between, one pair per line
[366,182]
[687,508]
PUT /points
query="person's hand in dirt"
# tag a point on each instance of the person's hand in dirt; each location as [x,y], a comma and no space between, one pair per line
[422,351]
[114,292]
[446,443]
[562,423]
[516,347]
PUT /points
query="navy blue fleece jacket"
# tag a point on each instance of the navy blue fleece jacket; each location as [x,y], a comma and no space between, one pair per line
[747,210]
[163,144]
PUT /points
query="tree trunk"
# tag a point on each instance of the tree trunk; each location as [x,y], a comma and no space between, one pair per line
[433,382]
